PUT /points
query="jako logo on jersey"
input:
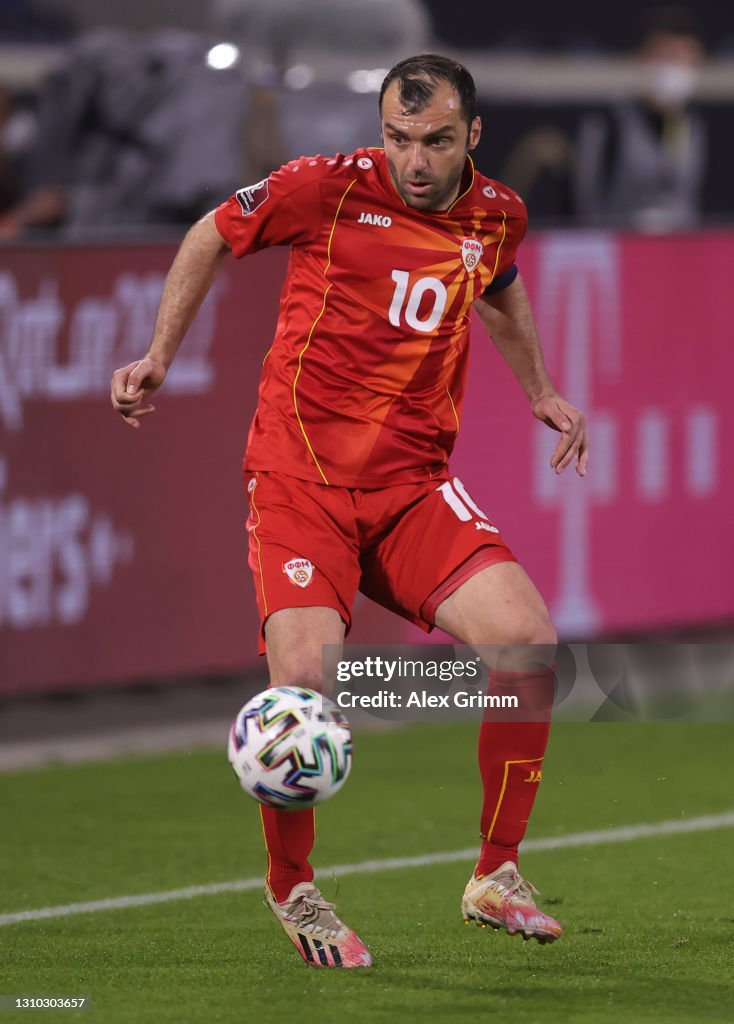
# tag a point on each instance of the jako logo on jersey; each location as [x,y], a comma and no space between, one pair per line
[479,525]
[375,218]
[471,253]
[299,571]
[253,196]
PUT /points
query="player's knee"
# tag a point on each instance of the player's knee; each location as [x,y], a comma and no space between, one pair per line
[539,631]
[530,629]
[529,640]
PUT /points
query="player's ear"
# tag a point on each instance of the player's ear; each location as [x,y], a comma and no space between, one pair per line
[475,132]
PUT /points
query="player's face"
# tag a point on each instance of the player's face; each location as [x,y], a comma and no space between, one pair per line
[426,151]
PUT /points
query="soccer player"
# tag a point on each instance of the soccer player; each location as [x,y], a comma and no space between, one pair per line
[347,460]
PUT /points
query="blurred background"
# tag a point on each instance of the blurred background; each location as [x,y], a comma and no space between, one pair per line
[123,554]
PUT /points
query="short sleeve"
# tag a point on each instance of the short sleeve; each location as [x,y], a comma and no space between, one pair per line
[509,220]
[515,226]
[282,209]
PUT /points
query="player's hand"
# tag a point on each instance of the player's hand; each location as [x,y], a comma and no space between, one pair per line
[560,415]
[132,385]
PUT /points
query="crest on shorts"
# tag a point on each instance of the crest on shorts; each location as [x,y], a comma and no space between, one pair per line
[471,253]
[299,571]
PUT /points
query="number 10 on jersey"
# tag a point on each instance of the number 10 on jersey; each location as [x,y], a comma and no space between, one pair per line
[408,311]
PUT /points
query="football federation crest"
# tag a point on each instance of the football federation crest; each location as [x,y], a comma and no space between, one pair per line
[471,253]
[299,571]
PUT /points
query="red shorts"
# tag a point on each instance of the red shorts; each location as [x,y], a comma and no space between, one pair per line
[408,547]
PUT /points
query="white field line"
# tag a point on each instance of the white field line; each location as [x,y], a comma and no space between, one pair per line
[600,837]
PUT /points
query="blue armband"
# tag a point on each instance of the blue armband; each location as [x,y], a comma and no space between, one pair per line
[502,281]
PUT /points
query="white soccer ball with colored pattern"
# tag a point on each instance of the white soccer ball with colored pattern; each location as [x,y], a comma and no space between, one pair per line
[290,748]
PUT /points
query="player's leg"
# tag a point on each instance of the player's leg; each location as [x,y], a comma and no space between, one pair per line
[303,646]
[444,563]
[305,580]
[502,616]
[296,639]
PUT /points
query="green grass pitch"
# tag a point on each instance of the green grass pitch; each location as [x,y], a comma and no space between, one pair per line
[649,923]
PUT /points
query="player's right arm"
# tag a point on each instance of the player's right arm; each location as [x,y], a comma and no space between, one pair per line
[282,209]
[191,276]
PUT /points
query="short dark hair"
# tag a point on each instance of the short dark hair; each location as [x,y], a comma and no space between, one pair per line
[418,77]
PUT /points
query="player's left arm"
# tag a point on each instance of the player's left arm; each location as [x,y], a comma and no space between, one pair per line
[508,317]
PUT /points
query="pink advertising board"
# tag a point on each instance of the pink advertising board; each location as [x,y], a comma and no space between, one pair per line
[637,332]
[122,553]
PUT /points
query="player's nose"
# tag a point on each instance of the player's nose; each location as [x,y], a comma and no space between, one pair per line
[417,160]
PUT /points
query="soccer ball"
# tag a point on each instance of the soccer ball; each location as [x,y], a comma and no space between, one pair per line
[290,748]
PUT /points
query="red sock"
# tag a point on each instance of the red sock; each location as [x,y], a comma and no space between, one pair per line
[289,839]
[511,749]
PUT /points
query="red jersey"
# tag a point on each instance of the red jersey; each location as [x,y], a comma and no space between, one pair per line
[364,383]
